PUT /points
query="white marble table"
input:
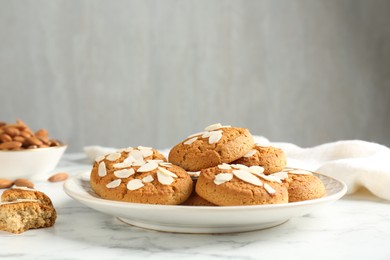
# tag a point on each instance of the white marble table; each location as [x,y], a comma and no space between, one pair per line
[355,227]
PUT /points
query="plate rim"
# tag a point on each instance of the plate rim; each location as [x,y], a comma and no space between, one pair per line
[95,200]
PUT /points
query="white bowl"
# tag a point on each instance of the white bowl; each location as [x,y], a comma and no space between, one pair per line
[29,162]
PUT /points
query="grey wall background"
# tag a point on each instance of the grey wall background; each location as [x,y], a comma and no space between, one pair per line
[121,73]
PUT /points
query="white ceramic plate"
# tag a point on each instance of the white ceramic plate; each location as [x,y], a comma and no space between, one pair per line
[191,219]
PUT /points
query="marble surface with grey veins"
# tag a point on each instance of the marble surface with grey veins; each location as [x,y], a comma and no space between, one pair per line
[355,227]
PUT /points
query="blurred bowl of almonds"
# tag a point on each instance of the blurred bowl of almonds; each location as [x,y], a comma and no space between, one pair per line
[25,153]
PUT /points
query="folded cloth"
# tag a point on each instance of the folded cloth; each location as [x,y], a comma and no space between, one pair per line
[95,151]
[357,163]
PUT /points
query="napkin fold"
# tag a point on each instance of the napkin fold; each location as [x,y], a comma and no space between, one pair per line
[357,163]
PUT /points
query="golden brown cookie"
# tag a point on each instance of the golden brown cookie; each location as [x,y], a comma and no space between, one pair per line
[196,200]
[272,159]
[236,185]
[217,144]
[140,175]
[304,185]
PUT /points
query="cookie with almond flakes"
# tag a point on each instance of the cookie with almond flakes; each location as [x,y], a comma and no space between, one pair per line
[303,185]
[239,185]
[140,175]
[215,145]
[272,159]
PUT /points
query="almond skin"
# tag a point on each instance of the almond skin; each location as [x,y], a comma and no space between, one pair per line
[10,145]
[24,183]
[5,138]
[61,176]
[5,184]
[12,131]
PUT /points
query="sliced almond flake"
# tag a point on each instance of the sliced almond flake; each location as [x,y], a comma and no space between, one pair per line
[280,175]
[102,171]
[213,127]
[135,184]
[222,178]
[215,137]
[196,134]
[269,178]
[113,156]
[247,177]
[147,167]
[288,169]
[210,133]
[190,141]
[129,159]
[262,144]
[129,149]
[269,189]
[256,169]
[139,163]
[136,154]
[225,126]
[224,166]
[146,153]
[114,184]
[122,164]
[166,172]
[163,178]
[147,179]
[304,172]
[165,164]
[156,161]
[194,174]
[125,173]
[206,135]
[239,166]
[144,148]
[100,158]
[250,153]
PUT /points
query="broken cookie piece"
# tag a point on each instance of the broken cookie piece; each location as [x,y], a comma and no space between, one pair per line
[21,210]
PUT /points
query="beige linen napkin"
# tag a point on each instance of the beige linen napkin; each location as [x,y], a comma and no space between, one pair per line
[356,163]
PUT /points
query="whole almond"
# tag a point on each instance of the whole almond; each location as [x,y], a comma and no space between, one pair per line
[19,139]
[33,141]
[21,123]
[4,184]
[5,138]
[17,126]
[61,176]
[42,133]
[25,134]
[43,139]
[29,131]
[10,145]
[12,131]
[54,143]
[24,183]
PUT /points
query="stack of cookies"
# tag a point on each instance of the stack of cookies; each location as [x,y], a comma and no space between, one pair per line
[220,166]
